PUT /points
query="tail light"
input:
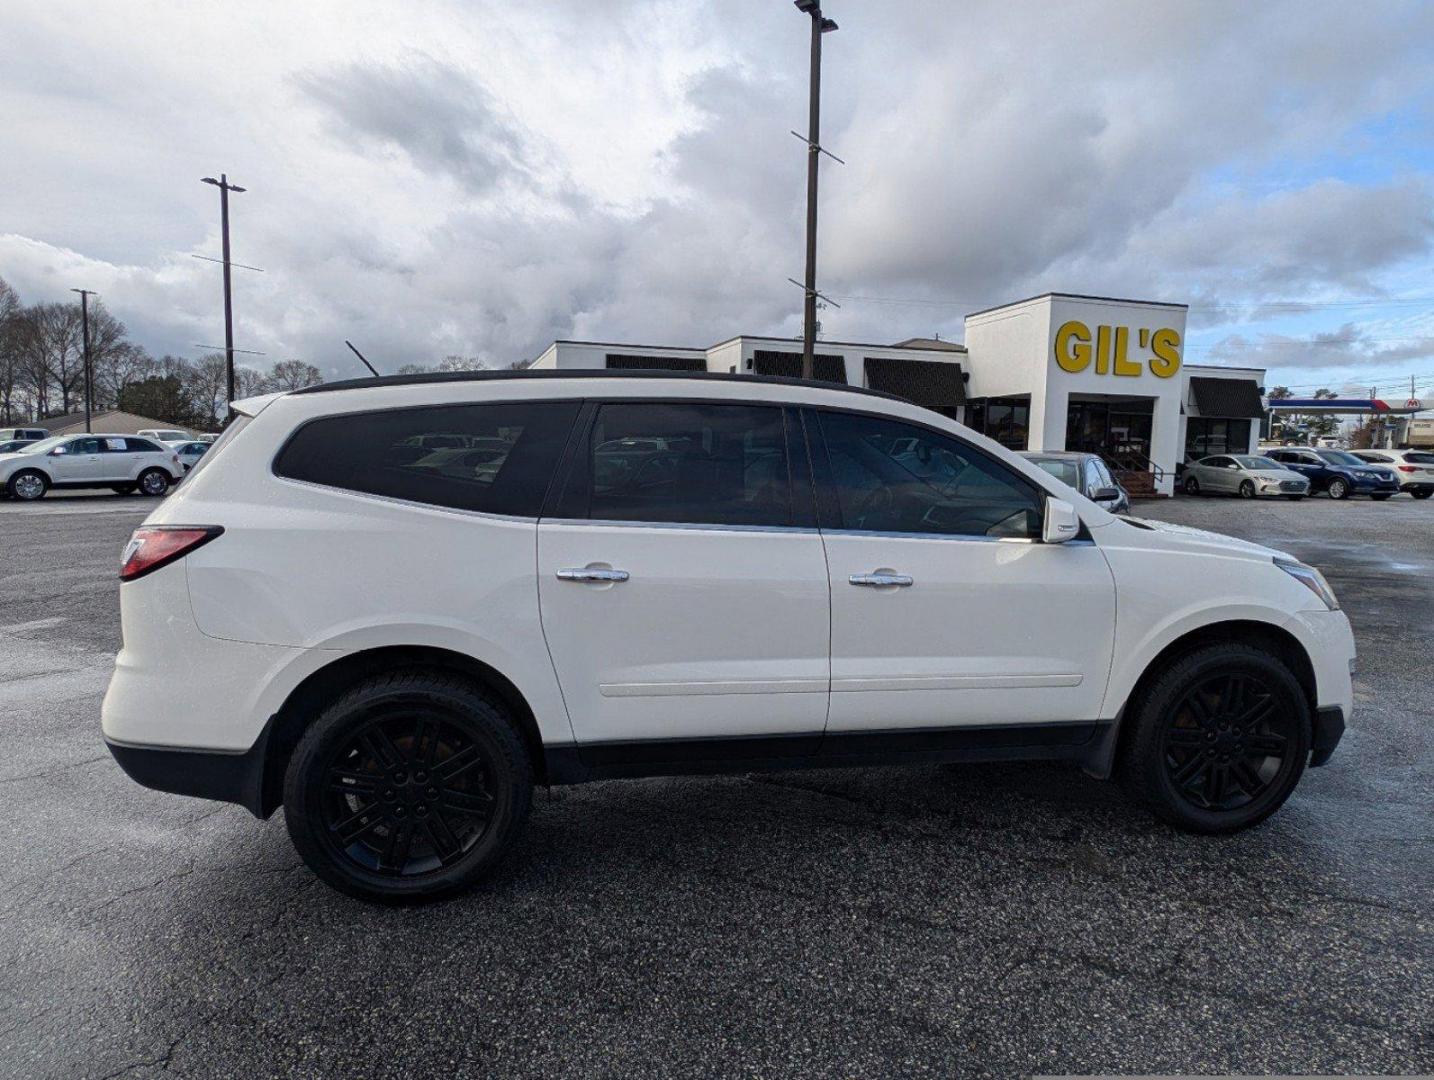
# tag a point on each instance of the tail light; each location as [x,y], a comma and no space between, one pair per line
[1407,468]
[159,545]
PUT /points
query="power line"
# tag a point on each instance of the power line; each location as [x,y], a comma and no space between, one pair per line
[1294,305]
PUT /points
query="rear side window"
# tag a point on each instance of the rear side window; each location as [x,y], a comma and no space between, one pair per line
[1419,459]
[686,463]
[496,458]
[141,446]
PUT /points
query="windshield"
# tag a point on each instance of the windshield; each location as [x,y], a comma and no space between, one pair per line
[44,446]
[1250,461]
[1339,457]
[1063,470]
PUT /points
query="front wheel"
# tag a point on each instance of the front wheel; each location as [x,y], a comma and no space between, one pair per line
[1247,489]
[1192,486]
[28,485]
[1218,740]
[409,787]
[154,482]
[1338,489]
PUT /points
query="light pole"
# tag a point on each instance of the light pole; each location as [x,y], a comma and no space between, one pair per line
[820,25]
[225,187]
[85,295]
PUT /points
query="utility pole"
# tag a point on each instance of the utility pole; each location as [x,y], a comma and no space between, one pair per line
[85,295]
[820,26]
[225,187]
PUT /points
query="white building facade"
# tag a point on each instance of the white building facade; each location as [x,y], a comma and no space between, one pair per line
[1054,372]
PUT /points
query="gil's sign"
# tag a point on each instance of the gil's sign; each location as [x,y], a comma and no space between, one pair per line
[1107,351]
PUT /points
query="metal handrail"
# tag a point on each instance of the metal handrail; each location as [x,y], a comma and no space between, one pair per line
[1133,461]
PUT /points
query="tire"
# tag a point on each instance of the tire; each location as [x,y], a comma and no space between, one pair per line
[1198,775]
[1379,498]
[28,485]
[1338,489]
[154,483]
[1422,494]
[361,768]
[122,489]
[1247,489]
[1192,486]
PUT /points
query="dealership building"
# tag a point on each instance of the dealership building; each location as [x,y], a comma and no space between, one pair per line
[1055,372]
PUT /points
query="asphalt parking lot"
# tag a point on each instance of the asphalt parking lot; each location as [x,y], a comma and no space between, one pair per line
[996,920]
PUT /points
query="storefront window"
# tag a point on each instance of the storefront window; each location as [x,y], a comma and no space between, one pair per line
[1207,435]
[1007,420]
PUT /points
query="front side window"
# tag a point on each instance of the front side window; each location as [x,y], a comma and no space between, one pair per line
[85,446]
[889,476]
[496,458]
[697,464]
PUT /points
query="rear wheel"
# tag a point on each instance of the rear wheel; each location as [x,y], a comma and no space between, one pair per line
[1192,486]
[409,787]
[1338,489]
[1247,489]
[154,482]
[1424,494]
[28,485]
[1219,739]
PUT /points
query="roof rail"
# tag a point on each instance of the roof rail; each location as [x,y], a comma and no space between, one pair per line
[584,373]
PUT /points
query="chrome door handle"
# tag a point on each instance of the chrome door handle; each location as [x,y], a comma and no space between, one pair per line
[592,574]
[876,580]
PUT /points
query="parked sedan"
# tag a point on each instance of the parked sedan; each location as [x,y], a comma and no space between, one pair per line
[189,452]
[1245,475]
[1337,472]
[1087,473]
[1414,469]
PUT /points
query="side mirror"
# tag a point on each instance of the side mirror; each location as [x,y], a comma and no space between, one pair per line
[1105,494]
[1233,468]
[59,451]
[1059,522]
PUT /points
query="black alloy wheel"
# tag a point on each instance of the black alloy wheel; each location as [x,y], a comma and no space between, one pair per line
[1192,486]
[409,787]
[1247,489]
[1218,740]
[1227,741]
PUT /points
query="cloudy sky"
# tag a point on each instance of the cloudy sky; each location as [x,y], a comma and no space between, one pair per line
[480,178]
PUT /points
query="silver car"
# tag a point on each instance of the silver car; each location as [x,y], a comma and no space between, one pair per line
[1245,475]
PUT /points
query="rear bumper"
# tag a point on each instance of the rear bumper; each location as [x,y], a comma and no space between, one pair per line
[1328,730]
[204,774]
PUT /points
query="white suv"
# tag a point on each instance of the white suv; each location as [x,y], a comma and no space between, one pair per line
[123,463]
[663,574]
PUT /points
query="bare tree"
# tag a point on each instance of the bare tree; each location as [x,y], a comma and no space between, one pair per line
[117,369]
[206,383]
[52,351]
[9,353]
[461,363]
[293,375]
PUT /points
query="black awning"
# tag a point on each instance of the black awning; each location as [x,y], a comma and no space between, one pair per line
[629,362]
[1227,397]
[825,367]
[931,383]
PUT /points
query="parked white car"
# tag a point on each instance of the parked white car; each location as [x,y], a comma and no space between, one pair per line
[1414,469]
[166,435]
[1245,475]
[678,574]
[124,463]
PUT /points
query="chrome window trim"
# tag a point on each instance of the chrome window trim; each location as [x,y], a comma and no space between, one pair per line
[876,534]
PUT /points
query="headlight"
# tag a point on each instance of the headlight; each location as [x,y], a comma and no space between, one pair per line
[1311,579]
